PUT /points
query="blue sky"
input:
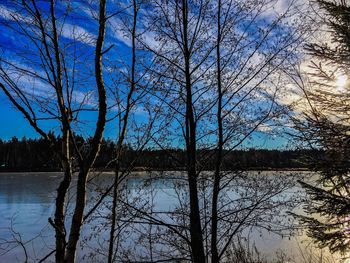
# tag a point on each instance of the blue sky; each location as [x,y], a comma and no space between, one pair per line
[80,23]
[81,26]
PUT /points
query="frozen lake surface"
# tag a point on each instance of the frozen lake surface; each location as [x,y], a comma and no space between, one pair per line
[27,201]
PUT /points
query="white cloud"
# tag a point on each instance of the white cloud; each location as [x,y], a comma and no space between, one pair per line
[69,31]
[34,88]
[265,128]
[6,13]
[116,26]
[39,90]
[118,32]
[290,9]
[149,39]
[78,33]
[85,98]
[12,15]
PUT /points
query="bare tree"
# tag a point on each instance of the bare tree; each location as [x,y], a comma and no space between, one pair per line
[123,124]
[137,90]
[131,82]
[258,66]
[182,23]
[56,69]
[196,40]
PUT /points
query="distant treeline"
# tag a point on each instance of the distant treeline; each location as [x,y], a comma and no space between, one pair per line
[37,155]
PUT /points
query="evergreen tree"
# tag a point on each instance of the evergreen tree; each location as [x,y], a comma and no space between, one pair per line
[326,126]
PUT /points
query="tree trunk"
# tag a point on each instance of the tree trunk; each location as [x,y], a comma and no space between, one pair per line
[197,247]
[216,186]
[59,221]
[114,215]
[88,162]
[77,219]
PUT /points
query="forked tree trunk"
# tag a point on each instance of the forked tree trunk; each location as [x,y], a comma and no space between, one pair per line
[87,163]
[66,156]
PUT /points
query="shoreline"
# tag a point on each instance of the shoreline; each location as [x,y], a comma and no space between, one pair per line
[143,169]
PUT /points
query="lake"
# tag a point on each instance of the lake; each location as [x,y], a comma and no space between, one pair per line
[26,203]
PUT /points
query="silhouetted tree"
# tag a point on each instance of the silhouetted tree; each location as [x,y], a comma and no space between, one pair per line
[325,127]
[53,65]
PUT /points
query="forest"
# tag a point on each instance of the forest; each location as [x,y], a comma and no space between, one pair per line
[30,155]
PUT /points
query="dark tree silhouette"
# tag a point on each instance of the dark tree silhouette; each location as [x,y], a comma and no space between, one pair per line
[325,126]
[41,27]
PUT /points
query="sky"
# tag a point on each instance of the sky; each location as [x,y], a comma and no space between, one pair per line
[80,27]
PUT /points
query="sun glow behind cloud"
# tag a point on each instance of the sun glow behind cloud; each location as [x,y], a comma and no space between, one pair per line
[341,81]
